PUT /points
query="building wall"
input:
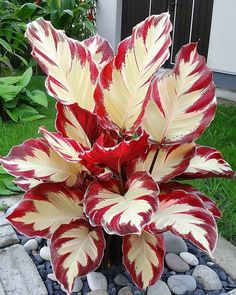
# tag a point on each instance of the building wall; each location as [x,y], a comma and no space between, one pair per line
[222,47]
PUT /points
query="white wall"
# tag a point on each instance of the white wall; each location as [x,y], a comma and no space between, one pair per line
[222,47]
[109,13]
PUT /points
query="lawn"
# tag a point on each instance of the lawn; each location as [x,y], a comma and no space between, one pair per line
[221,135]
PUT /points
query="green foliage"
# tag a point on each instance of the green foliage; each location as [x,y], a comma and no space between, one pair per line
[17,102]
[7,186]
[13,45]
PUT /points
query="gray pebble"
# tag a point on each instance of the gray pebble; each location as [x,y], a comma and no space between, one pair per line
[174,244]
[174,262]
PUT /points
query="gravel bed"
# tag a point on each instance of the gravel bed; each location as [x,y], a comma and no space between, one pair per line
[188,271]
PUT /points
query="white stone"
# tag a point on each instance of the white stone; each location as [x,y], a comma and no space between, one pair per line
[98,292]
[8,236]
[97,281]
[18,274]
[232,292]
[207,277]
[174,244]
[31,245]
[180,284]
[189,258]
[78,285]
[52,277]
[125,291]
[159,287]
[45,253]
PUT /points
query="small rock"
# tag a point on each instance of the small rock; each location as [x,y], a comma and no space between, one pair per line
[45,253]
[222,275]
[31,245]
[211,263]
[174,262]
[207,277]
[189,258]
[125,291]
[98,292]
[121,280]
[174,244]
[180,284]
[52,277]
[78,285]
[199,292]
[159,287]
[232,292]
[97,281]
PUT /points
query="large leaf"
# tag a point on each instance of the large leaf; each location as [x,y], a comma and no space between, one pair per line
[78,124]
[38,97]
[44,208]
[183,102]
[208,203]
[115,157]
[71,72]
[35,159]
[67,148]
[124,82]
[143,257]
[6,45]
[126,213]
[100,50]
[185,215]
[169,162]
[208,162]
[76,249]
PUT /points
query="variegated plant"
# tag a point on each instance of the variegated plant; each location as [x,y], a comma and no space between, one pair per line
[125,136]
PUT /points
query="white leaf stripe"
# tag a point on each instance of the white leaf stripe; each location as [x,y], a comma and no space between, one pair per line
[169,163]
[185,215]
[124,80]
[44,208]
[72,74]
[76,249]
[143,257]
[123,214]
[208,162]
[183,102]
[35,159]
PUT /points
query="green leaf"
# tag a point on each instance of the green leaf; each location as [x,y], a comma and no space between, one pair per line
[10,80]
[25,78]
[6,45]
[26,10]
[32,118]
[38,97]
[89,26]
[13,114]
[22,59]
[9,92]
[67,11]
[5,191]
[12,103]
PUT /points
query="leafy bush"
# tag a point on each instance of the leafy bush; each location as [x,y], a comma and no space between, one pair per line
[17,102]
[125,136]
[7,187]
[13,45]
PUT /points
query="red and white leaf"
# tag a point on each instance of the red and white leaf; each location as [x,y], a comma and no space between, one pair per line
[183,100]
[208,203]
[114,157]
[169,163]
[26,183]
[67,148]
[126,213]
[76,249]
[208,162]
[124,82]
[100,50]
[78,124]
[186,216]
[35,159]
[72,75]
[46,207]
[143,257]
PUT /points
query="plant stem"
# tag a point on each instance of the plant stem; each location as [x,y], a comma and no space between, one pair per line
[154,160]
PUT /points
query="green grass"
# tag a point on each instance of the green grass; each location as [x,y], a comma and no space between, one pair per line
[221,135]
[13,134]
